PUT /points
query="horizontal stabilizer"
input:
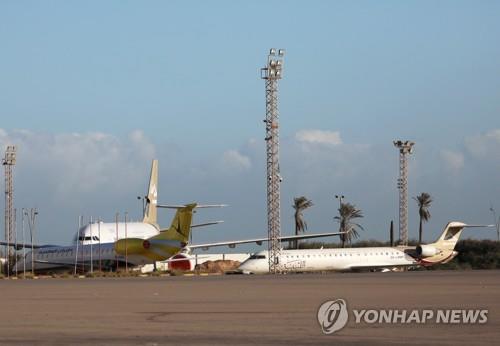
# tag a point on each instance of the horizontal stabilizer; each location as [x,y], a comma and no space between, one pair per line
[207,223]
[478,226]
[179,206]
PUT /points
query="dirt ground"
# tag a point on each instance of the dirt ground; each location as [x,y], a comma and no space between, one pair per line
[242,310]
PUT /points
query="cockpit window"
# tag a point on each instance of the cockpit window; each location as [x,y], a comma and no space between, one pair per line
[257,257]
[82,238]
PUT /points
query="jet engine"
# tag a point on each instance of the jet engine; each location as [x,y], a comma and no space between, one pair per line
[426,251]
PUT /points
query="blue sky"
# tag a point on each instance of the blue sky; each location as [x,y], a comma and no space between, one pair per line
[92,91]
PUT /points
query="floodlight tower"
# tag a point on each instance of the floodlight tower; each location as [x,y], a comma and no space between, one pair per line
[271,74]
[9,161]
[405,148]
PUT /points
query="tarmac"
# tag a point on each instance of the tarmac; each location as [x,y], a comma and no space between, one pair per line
[243,310]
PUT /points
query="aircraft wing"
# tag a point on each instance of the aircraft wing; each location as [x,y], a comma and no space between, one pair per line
[259,241]
[63,264]
[79,264]
[182,259]
[20,246]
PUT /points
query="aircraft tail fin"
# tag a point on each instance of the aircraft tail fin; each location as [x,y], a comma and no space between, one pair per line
[442,251]
[150,214]
[163,245]
[180,228]
[451,234]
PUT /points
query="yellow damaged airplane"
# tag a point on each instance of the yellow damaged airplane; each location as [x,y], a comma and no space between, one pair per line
[109,245]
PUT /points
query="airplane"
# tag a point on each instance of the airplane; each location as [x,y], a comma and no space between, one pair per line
[369,258]
[160,246]
[102,244]
[107,245]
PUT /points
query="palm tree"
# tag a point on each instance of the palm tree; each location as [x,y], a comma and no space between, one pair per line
[348,212]
[300,204]
[424,201]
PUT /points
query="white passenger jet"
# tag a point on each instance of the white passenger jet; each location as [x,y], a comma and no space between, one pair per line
[349,259]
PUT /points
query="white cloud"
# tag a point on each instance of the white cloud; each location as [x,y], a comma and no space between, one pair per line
[485,145]
[234,159]
[453,160]
[319,137]
[79,162]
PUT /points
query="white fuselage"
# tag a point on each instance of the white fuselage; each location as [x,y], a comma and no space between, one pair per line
[109,232]
[331,259]
[95,246]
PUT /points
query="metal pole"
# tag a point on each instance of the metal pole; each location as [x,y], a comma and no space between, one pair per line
[340,198]
[496,221]
[24,244]
[126,248]
[498,229]
[83,244]
[99,235]
[35,213]
[391,234]
[91,250]
[116,224]
[143,199]
[32,226]
[15,237]
[77,242]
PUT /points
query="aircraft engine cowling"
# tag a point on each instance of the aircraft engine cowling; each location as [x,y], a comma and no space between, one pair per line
[426,251]
[131,246]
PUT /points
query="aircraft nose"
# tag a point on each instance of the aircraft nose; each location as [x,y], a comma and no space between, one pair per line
[246,267]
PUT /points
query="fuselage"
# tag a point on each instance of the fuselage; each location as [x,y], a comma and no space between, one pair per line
[109,232]
[331,259]
[93,246]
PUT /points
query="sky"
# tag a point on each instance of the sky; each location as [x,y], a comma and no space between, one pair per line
[91,92]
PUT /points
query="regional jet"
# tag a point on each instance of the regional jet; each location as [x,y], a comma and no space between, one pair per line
[369,258]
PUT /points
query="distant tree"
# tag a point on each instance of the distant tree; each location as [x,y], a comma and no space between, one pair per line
[347,213]
[300,204]
[424,201]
